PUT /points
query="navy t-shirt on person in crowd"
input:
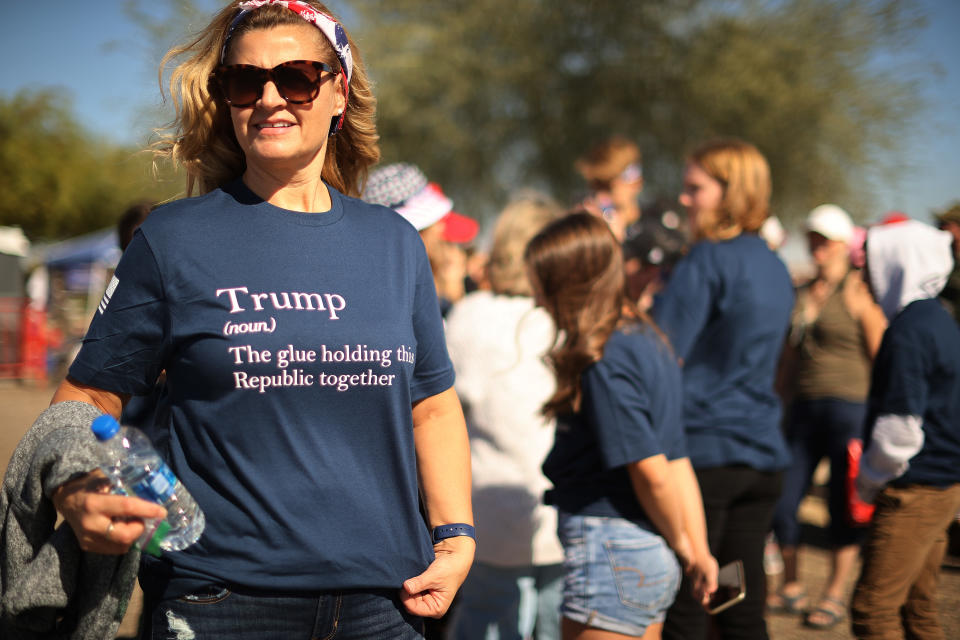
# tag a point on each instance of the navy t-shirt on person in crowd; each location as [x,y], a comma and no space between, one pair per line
[726,311]
[294,345]
[917,373]
[631,410]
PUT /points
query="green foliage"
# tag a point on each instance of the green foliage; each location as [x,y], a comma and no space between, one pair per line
[491,95]
[59,181]
[488,96]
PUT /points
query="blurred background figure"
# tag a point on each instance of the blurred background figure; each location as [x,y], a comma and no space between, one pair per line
[858,253]
[835,332]
[130,221]
[477,276]
[911,461]
[726,311]
[614,175]
[653,244]
[949,221]
[773,232]
[893,217]
[497,340]
[404,188]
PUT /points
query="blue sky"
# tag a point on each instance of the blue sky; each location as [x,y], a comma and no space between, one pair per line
[92,54]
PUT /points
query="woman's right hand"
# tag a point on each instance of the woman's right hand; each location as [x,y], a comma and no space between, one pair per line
[103,522]
[700,567]
[702,572]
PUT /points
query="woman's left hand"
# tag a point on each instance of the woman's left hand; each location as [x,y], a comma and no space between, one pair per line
[431,593]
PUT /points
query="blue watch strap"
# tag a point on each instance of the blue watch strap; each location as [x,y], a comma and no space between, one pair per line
[445,531]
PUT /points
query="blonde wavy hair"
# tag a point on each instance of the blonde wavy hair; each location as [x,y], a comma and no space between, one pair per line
[520,220]
[201,139]
[744,174]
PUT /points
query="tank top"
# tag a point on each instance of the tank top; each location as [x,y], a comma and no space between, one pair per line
[832,359]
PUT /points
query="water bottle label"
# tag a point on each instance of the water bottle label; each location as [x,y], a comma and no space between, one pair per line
[150,540]
[158,486]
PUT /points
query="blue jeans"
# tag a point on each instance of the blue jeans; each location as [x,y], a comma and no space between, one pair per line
[508,603]
[219,613]
[819,427]
[620,575]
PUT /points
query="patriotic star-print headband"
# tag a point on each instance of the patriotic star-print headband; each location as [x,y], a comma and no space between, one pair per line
[330,28]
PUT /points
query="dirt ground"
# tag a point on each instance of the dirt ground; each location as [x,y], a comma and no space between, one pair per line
[20,404]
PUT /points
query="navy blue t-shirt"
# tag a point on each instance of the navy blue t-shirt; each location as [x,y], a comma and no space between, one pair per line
[294,345]
[631,410]
[726,311]
[917,372]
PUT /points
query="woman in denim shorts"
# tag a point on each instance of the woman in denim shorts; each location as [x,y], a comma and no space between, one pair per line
[629,503]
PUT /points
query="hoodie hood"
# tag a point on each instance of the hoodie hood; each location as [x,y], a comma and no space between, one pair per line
[907,261]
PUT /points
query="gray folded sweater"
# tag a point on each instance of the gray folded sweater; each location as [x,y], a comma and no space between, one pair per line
[49,587]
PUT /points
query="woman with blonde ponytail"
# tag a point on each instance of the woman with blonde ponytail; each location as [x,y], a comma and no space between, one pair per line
[311,403]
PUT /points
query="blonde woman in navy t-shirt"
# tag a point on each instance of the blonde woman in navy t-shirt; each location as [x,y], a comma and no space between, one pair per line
[726,311]
[629,507]
[310,395]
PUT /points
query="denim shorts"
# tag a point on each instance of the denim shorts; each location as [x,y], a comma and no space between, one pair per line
[620,575]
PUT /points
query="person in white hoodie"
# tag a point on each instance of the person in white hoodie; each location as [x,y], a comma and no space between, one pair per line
[910,466]
[497,340]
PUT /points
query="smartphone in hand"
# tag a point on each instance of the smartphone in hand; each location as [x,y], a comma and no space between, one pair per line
[730,588]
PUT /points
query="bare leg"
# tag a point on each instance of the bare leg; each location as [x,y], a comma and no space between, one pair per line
[576,631]
[832,606]
[844,561]
[791,596]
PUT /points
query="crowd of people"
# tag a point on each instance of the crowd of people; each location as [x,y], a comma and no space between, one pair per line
[576,425]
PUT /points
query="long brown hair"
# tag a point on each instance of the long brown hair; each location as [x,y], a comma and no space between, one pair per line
[576,271]
[201,138]
[744,174]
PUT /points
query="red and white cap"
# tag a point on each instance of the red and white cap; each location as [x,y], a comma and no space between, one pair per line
[404,188]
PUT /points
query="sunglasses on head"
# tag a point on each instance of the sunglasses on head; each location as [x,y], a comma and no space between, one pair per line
[297,81]
[631,173]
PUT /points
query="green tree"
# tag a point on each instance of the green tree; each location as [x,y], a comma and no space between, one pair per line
[489,95]
[59,180]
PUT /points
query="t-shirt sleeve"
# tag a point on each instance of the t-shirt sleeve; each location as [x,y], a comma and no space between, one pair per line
[682,310]
[617,404]
[126,343]
[433,371]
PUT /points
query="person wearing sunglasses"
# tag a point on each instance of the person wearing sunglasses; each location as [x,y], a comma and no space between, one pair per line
[310,394]
[614,176]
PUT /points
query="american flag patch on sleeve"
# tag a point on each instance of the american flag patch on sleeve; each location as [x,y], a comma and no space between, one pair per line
[108,294]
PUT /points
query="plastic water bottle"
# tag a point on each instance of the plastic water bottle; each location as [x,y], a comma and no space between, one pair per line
[136,469]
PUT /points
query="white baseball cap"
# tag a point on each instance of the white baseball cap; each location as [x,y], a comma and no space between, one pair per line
[832,222]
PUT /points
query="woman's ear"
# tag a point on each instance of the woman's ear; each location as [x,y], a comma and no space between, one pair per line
[341,98]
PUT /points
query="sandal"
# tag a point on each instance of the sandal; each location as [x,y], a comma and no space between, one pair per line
[827,608]
[782,602]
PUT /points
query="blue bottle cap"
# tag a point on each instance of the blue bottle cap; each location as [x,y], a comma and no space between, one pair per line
[104,427]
